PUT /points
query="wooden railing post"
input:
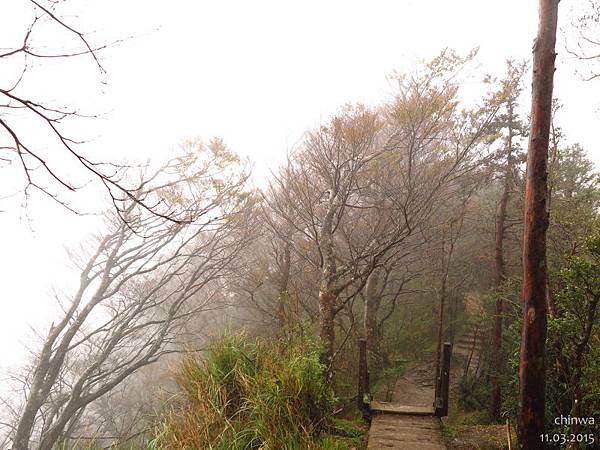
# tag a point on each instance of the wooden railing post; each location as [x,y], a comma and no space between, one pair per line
[363,376]
[443,383]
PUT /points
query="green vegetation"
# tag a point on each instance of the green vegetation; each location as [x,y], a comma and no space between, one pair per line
[572,346]
[572,369]
[255,394]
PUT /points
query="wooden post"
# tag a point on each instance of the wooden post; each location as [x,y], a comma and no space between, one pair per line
[508,434]
[443,383]
[363,376]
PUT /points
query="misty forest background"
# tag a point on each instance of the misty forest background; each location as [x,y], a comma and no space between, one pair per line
[211,311]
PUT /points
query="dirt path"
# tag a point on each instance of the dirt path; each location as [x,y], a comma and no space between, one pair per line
[405,431]
[416,387]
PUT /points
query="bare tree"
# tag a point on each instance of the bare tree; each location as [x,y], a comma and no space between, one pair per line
[452,232]
[586,44]
[144,280]
[36,135]
[383,291]
[533,336]
[313,194]
[362,185]
[267,280]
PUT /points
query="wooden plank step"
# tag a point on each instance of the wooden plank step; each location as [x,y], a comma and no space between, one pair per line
[397,408]
[400,432]
[466,350]
[467,342]
[467,345]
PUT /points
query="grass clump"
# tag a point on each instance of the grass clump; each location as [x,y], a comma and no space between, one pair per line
[250,394]
[344,434]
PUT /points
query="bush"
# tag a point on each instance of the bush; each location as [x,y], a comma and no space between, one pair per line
[248,395]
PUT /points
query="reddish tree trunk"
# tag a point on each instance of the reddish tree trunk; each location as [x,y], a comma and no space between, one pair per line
[533,334]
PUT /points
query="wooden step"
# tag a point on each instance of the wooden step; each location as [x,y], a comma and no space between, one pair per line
[397,408]
[400,432]
[466,347]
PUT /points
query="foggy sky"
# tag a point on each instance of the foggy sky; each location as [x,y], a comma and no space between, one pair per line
[257,74]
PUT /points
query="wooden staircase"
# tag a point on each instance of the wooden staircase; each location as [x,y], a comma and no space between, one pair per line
[469,348]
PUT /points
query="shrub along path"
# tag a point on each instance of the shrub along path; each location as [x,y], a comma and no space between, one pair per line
[407,423]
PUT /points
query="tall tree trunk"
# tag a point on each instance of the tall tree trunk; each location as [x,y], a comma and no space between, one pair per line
[553,150]
[440,330]
[27,422]
[500,276]
[372,303]
[442,305]
[327,301]
[49,440]
[328,293]
[38,392]
[446,262]
[283,297]
[533,334]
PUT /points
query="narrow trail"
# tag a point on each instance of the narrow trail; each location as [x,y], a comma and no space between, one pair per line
[407,423]
[416,386]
